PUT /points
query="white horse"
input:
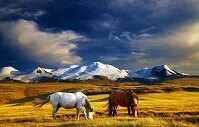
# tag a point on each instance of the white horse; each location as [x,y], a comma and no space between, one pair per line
[76,100]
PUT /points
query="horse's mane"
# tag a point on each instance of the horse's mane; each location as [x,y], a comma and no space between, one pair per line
[133,96]
[88,104]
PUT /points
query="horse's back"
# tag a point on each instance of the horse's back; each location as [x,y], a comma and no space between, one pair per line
[80,95]
[66,100]
[68,95]
[59,95]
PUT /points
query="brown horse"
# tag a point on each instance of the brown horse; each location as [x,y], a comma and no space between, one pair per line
[125,99]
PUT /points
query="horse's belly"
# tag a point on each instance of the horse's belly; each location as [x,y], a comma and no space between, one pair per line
[67,106]
[121,103]
[68,103]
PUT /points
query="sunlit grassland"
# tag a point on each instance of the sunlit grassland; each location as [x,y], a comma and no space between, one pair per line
[172,103]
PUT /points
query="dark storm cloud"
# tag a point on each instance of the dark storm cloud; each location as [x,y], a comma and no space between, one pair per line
[125,33]
[40,46]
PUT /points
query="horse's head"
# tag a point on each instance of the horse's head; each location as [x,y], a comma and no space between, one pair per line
[134,97]
[90,114]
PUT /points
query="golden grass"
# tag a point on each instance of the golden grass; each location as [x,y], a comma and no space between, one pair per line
[158,106]
[159,109]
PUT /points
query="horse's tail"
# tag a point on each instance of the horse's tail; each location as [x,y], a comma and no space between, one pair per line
[39,102]
[110,107]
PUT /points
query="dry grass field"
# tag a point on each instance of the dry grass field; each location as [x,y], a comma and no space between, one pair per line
[174,103]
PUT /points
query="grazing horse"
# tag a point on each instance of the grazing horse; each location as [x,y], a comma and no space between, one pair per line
[125,99]
[76,100]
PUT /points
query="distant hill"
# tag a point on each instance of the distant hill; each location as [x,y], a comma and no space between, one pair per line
[155,74]
[95,71]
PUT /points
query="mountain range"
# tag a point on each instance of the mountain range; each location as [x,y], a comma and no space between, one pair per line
[76,72]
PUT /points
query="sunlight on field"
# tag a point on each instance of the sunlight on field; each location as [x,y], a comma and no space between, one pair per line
[28,115]
[172,103]
[175,101]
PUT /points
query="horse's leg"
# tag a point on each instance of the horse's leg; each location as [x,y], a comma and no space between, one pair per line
[115,112]
[54,112]
[110,106]
[78,114]
[85,116]
[84,113]
[129,110]
[110,111]
[80,108]
[58,106]
[134,110]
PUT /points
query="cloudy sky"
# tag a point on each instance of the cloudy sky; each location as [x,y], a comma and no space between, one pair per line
[129,34]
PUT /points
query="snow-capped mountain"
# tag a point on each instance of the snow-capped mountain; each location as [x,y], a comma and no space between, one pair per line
[34,76]
[38,74]
[87,72]
[9,72]
[76,72]
[161,71]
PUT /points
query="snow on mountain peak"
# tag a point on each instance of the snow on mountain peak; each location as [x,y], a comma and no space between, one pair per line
[160,67]
[98,63]
[164,68]
[156,71]
[8,70]
[95,68]
[38,70]
[74,66]
[87,72]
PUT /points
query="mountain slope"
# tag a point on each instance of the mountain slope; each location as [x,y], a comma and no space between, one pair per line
[156,72]
[87,72]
